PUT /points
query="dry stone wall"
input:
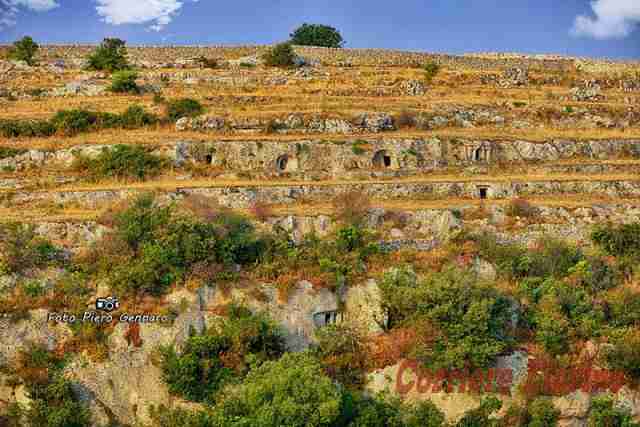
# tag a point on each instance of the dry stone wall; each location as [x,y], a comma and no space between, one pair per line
[182,54]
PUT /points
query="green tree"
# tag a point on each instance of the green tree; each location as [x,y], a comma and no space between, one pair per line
[317,35]
[220,355]
[292,391]
[542,413]
[431,69]
[24,50]
[480,417]
[604,413]
[462,322]
[109,56]
[281,55]
[625,353]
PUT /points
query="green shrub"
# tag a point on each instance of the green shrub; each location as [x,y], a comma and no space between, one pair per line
[341,349]
[604,412]
[625,354]
[153,246]
[165,417]
[158,99]
[624,308]
[551,257]
[481,417]
[136,117]
[109,56]
[281,55]
[542,413]
[465,322]
[72,122]
[317,35]
[537,413]
[385,411]
[25,50]
[595,275]
[220,356]
[120,162]
[53,402]
[185,107]
[26,128]
[618,240]
[124,81]
[32,288]
[431,69]
[552,327]
[6,152]
[357,149]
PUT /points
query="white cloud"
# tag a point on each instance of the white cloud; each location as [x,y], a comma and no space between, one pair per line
[157,13]
[613,19]
[9,9]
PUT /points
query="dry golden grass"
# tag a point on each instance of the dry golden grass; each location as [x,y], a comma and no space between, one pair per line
[167,134]
[310,97]
[27,213]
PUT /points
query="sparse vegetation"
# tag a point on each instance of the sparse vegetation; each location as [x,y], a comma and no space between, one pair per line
[73,122]
[53,401]
[21,248]
[521,208]
[120,162]
[351,207]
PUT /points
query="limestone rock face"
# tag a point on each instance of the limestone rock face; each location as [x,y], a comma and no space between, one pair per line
[588,91]
[412,88]
[374,122]
[515,77]
[362,307]
[484,269]
[33,329]
[202,123]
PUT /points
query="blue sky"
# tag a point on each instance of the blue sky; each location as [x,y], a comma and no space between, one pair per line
[601,28]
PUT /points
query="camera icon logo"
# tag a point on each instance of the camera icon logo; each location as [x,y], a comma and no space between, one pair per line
[107,304]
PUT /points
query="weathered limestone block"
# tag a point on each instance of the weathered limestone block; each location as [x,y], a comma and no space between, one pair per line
[34,329]
[362,307]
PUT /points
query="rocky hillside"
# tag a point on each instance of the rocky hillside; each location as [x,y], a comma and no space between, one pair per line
[462,232]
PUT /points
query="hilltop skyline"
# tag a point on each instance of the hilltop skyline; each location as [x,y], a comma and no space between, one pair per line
[604,28]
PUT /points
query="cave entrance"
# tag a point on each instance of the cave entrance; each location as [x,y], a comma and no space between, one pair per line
[382,159]
[483,192]
[281,163]
[208,159]
[325,318]
[477,155]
